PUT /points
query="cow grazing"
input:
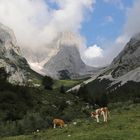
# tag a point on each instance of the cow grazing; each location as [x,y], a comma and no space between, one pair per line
[100,112]
[58,122]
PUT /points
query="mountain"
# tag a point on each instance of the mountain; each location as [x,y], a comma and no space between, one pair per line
[12,64]
[128,59]
[66,62]
[119,81]
[126,66]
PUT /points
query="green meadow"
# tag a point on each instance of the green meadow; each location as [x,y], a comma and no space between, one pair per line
[124,124]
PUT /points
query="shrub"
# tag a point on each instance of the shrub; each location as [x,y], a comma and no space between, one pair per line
[62,89]
[47,82]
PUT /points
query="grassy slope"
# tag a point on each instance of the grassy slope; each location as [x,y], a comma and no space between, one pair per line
[36,77]
[67,83]
[123,125]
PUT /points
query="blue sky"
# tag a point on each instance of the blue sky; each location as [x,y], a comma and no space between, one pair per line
[105,22]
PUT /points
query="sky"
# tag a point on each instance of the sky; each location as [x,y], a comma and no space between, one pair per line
[104,26]
[106,21]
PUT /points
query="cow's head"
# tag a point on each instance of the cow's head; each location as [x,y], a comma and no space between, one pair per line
[93,114]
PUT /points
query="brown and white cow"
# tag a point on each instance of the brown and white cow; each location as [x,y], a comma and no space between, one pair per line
[100,112]
[58,122]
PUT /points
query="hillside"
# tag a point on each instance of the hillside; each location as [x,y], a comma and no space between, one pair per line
[123,125]
[24,109]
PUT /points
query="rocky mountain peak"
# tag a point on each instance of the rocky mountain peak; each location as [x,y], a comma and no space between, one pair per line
[68,39]
[67,59]
[128,59]
[11,62]
[8,40]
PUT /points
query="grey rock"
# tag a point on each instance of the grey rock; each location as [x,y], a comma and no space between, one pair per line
[11,60]
[67,62]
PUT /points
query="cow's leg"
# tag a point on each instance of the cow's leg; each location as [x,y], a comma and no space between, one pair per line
[61,125]
[97,118]
[54,126]
[104,116]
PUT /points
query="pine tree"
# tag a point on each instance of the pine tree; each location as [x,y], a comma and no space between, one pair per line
[48,82]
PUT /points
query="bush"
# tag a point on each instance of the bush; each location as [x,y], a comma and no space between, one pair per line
[62,89]
[28,124]
[48,82]
[136,100]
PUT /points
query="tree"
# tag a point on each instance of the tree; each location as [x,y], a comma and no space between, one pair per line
[47,82]
[104,100]
[3,74]
[83,93]
[62,89]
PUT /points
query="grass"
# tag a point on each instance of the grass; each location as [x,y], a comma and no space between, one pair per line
[124,124]
[67,83]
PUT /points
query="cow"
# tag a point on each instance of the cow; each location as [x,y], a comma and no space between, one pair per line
[58,122]
[100,112]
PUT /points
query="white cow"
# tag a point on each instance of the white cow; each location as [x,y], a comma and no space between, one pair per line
[100,112]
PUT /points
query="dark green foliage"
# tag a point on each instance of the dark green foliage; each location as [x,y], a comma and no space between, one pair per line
[128,91]
[103,101]
[83,93]
[3,74]
[15,104]
[16,100]
[101,93]
[95,92]
[64,74]
[62,89]
[47,82]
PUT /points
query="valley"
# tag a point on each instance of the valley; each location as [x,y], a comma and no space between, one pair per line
[61,85]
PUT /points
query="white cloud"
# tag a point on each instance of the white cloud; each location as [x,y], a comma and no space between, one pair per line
[36,24]
[132,24]
[93,52]
[122,39]
[99,56]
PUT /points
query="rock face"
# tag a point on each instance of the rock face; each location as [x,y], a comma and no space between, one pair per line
[128,59]
[126,66]
[67,63]
[11,61]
